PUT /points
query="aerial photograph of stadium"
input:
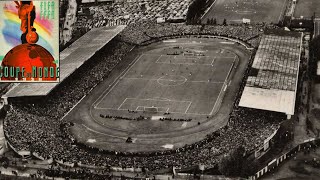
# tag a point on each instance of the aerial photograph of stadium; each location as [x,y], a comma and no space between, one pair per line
[172,90]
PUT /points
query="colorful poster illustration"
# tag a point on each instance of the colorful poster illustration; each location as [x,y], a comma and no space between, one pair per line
[29,38]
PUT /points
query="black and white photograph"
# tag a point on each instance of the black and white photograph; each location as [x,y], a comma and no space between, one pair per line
[167,90]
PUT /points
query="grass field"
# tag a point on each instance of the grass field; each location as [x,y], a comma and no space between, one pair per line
[306,8]
[255,10]
[178,84]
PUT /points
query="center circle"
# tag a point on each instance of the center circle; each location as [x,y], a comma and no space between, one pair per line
[171,80]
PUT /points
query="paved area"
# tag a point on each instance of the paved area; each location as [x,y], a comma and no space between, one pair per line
[301,166]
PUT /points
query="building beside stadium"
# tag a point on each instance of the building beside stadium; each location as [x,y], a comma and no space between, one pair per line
[273,78]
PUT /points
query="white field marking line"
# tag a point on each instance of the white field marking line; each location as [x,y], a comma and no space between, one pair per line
[110,89]
[158,100]
[188,107]
[122,103]
[137,109]
[158,107]
[189,57]
[227,57]
[171,80]
[101,132]
[73,107]
[89,93]
[172,112]
[184,63]
[113,83]
[222,89]
[213,82]
[175,57]
[158,58]
[119,108]
[212,61]
[186,57]
[207,10]
[282,10]
[101,108]
[146,79]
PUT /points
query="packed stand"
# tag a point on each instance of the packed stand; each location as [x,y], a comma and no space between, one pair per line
[106,15]
[148,31]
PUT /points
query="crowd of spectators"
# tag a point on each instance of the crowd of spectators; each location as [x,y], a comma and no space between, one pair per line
[144,32]
[125,13]
[36,125]
[174,119]
[139,118]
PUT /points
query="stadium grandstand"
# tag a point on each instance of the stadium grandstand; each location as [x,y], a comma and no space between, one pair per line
[70,59]
[273,78]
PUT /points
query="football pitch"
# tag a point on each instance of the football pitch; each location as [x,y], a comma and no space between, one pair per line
[307,8]
[256,10]
[175,84]
[191,82]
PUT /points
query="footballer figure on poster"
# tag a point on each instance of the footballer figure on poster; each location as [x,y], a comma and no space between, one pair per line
[27,14]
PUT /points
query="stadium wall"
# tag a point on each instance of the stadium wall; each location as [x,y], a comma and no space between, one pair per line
[262,150]
[273,164]
[243,43]
[20,153]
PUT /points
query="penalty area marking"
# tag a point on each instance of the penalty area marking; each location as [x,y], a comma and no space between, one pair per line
[185,57]
[154,100]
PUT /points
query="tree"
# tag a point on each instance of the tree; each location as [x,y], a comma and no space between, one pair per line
[214,22]
[195,11]
[231,165]
[208,21]
[235,164]
[315,56]
[224,22]
[315,47]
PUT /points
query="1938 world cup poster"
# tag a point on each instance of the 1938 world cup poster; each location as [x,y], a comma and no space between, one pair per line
[29,38]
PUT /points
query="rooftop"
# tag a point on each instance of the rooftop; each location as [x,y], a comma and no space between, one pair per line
[273,78]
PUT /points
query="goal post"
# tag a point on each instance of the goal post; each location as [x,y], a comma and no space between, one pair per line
[151,109]
[156,109]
